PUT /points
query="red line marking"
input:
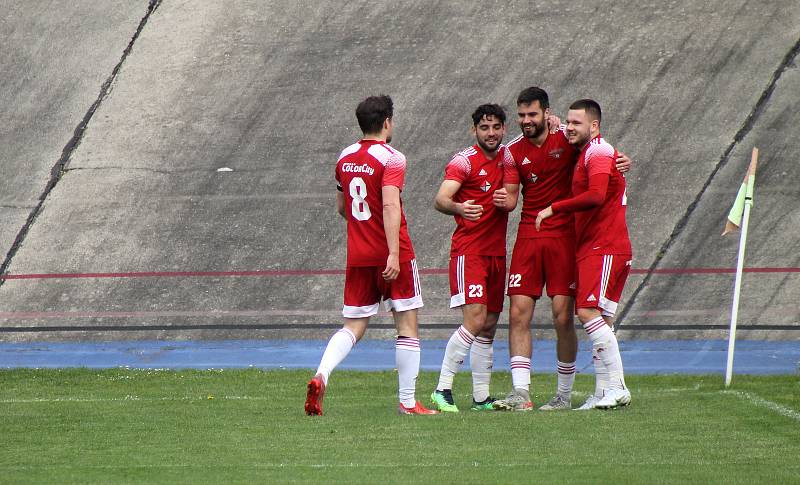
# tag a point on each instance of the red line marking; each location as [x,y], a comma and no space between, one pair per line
[192,313]
[714,270]
[324,272]
[174,274]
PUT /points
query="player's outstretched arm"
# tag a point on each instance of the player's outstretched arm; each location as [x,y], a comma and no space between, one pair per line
[542,215]
[392,213]
[507,197]
[593,197]
[445,204]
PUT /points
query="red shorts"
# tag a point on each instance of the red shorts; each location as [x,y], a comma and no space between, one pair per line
[478,279]
[601,279]
[364,287]
[540,262]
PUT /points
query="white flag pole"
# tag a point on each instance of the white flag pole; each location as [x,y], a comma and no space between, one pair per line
[737,288]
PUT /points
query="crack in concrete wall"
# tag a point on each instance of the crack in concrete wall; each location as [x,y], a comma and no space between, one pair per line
[743,131]
[59,168]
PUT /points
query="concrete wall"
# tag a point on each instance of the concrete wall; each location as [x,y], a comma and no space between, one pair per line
[268,89]
[54,60]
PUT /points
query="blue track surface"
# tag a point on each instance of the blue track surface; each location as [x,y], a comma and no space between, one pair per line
[639,356]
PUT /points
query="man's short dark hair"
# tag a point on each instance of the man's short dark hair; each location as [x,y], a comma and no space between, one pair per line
[372,112]
[591,107]
[488,110]
[533,93]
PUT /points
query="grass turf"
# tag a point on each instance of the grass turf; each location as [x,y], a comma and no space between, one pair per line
[120,425]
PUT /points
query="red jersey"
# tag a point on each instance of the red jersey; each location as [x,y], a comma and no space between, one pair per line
[545,174]
[364,168]
[601,230]
[479,178]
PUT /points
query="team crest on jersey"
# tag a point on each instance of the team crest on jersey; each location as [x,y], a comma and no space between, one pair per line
[556,153]
[486,186]
[533,177]
[525,161]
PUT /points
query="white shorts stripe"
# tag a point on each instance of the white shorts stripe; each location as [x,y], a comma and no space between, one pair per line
[417,286]
[607,262]
[459,298]
[608,307]
[460,271]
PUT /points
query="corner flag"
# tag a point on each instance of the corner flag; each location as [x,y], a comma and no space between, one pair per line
[739,216]
[745,194]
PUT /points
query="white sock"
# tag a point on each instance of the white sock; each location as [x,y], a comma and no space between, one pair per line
[613,362]
[407,360]
[600,375]
[521,372]
[604,342]
[481,358]
[566,377]
[340,344]
[454,354]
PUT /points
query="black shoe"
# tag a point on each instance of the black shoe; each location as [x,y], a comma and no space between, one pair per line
[485,405]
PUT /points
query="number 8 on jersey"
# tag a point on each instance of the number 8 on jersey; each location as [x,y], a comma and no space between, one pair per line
[359,207]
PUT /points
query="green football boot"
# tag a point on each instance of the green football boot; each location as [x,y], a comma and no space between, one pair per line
[443,401]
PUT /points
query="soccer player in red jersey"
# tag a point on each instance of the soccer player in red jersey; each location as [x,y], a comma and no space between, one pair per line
[380,258]
[542,162]
[603,249]
[477,255]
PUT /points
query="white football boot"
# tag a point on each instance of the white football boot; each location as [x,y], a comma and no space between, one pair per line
[588,404]
[614,398]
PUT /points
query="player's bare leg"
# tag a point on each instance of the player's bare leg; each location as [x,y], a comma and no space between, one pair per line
[564,323]
[604,344]
[563,307]
[519,331]
[339,345]
[458,346]
[481,360]
[520,348]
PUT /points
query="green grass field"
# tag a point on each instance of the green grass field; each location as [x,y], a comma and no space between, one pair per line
[117,426]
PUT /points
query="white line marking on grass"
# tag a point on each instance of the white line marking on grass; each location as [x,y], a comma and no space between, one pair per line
[761,402]
[694,388]
[670,390]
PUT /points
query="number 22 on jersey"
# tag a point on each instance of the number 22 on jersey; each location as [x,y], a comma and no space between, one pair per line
[359,207]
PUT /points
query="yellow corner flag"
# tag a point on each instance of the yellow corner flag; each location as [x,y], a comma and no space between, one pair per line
[745,195]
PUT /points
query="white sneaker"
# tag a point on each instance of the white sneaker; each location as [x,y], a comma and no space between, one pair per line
[589,404]
[515,401]
[614,398]
[558,403]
